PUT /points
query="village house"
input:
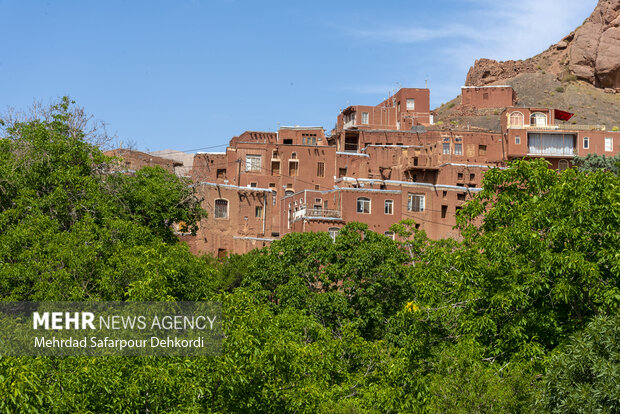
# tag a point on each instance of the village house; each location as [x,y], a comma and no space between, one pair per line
[381,164]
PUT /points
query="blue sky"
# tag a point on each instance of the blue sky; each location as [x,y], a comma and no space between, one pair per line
[191,74]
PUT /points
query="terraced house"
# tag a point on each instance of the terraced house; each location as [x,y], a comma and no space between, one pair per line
[379,165]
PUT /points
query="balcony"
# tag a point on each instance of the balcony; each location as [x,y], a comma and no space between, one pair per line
[316,213]
[564,127]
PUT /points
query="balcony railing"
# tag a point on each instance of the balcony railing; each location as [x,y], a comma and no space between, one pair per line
[557,127]
[316,212]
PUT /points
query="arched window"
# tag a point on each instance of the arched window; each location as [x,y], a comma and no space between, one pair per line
[563,165]
[516,119]
[333,232]
[538,119]
[586,142]
[221,208]
[363,205]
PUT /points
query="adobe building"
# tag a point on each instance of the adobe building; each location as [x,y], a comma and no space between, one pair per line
[381,164]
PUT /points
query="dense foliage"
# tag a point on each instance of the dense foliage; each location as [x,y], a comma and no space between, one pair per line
[519,316]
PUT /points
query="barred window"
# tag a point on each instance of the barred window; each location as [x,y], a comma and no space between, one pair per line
[221,208]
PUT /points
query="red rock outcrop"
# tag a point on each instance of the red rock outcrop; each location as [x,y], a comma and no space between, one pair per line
[591,53]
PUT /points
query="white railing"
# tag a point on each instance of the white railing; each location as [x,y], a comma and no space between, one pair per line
[316,212]
[562,127]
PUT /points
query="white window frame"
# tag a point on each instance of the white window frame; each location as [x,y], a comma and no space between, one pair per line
[541,119]
[411,104]
[416,206]
[215,209]
[517,116]
[445,148]
[517,140]
[389,211]
[365,117]
[253,163]
[609,144]
[366,202]
[390,234]
[586,142]
[333,232]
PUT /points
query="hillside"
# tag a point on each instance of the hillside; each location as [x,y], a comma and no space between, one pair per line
[580,74]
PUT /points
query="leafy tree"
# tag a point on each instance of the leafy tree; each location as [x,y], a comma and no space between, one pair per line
[584,375]
[593,162]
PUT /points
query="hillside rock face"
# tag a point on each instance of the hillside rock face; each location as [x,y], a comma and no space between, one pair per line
[592,53]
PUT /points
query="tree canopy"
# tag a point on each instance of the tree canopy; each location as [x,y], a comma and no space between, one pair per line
[521,315]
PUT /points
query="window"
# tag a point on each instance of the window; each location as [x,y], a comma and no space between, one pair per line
[444,211]
[517,140]
[274,197]
[538,119]
[365,118]
[221,208]
[563,165]
[415,202]
[482,150]
[333,232]
[389,234]
[410,104]
[472,177]
[293,168]
[221,173]
[274,154]
[389,207]
[293,155]
[253,184]
[609,144]
[252,163]
[485,96]
[271,185]
[459,176]
[320,169]
[288,142]
[446,149]
[363,205]
[259,212]
[586,142]
[516,119]
[444,194]
[288,193]
[458,149]
[342,172]
[460,196]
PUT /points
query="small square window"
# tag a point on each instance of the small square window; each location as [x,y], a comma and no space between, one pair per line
[482,150]
[472,177]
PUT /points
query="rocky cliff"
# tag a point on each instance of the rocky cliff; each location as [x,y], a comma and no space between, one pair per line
[590,53]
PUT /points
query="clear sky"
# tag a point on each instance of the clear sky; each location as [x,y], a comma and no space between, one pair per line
[191,74]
